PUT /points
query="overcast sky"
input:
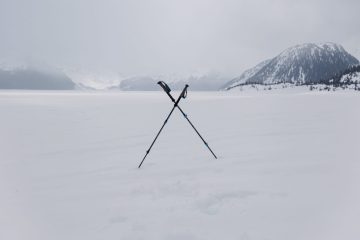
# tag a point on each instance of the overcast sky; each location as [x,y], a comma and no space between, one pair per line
[168,36]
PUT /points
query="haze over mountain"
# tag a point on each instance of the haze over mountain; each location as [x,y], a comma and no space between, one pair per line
[210,81]
[302,64]
[305,63]
[34,79]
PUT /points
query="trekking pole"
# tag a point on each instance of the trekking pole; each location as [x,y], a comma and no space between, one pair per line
[192,125]
[183,95]
[167,90]
[157,135]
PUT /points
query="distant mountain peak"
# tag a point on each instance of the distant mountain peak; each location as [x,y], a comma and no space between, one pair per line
[303,63]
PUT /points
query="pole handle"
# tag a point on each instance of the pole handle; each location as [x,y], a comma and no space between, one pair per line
[183,94]
[164,86]
[167,89]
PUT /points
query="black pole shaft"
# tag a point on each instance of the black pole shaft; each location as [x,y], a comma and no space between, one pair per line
[192,125]
[147,152]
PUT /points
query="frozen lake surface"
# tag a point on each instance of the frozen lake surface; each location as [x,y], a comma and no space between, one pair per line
[288,167]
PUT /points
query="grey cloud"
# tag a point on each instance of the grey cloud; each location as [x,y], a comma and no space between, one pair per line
[154,36]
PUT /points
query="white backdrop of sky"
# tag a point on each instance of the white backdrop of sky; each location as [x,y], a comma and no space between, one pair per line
[170,36]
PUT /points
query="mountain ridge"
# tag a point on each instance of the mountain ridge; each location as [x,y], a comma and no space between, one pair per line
[32,79]
[301,64]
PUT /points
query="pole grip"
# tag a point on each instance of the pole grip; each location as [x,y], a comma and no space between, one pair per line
[182,95]
[184,91]
[167,89]
[164,86]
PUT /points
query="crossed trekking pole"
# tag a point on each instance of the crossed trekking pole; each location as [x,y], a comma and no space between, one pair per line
[176,105]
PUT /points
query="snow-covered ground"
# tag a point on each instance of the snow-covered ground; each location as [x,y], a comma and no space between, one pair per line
[288,166]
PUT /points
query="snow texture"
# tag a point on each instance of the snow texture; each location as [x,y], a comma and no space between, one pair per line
[288,166]
[351,77]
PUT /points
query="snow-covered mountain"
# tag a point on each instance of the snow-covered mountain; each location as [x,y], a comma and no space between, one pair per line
[302,64]
[246,75]
[143,83]
[92,79]
[306,63]
[209,81]
[22,76]
[28,78]
[347,77]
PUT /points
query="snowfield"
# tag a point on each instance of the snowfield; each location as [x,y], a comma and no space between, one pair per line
[288,167]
